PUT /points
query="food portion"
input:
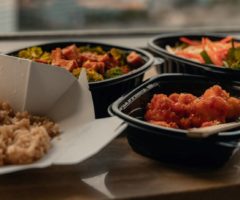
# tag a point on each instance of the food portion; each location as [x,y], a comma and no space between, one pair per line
[24,138]
[186,111]
[99,64]
[221,53]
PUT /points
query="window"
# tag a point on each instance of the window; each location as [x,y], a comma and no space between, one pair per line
[35,15]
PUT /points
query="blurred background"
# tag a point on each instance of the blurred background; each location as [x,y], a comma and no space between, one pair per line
[48,15]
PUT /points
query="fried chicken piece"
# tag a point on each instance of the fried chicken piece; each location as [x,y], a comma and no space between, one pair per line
[182,104]
[215,90]
[234,108]
[166,124]
[209,109]
[185,111]
[161,109]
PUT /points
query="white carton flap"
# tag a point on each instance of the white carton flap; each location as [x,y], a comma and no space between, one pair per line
[54,92]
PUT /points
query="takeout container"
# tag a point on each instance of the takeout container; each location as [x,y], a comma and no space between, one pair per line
[53,92]
[168,144]
[176,64]
[106,91]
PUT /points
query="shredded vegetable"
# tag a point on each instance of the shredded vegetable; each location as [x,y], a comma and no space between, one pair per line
[221,53]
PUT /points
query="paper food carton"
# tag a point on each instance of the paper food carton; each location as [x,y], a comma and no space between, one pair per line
[53,92]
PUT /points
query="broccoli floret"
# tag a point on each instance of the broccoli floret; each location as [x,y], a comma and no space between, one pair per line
[76,72]
[47,57]
[94,76]
[31,53]
[113,72]
[97,49]
[118,55]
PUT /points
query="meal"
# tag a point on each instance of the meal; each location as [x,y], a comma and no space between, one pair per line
[186,111]
[221,53]
[24,138]
[99,64]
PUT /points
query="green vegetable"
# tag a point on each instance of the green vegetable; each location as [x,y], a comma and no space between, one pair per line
[206,57]
[31,53]
[47,57]
[97,49]
[181,45]
[93,75]
[118,55]
[233,57]
[24,54]
[113,72]
[76,72]
[36,52]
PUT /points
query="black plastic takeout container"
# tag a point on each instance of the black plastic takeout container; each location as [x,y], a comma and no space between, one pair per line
[168,144]
[106,91]
[176,64]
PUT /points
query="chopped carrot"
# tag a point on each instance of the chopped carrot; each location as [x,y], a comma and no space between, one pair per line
[226,39]
[190,56]
[188,41]
[217,50]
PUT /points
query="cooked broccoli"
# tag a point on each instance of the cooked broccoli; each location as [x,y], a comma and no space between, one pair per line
[76,72]
[47,57]
[31,53]
[96,49]
[119,55]
[113,72]
[233,57]
[93,75]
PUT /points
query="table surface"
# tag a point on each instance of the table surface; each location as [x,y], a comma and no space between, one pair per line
[118,172]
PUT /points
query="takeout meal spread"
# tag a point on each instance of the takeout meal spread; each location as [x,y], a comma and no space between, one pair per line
[24,138]
[186,111]
[221,53]
[100,64]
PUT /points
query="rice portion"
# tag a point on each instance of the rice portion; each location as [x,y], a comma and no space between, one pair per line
[24,138]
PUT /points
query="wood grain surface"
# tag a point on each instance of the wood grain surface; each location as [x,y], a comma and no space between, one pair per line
[127,176]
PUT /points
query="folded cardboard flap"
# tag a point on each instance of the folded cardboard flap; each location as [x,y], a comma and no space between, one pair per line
[32,86]
[54,92]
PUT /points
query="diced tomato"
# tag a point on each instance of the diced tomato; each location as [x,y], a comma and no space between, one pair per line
[70,52]
[56,54]
[89,56]
[97,66]
[125,69]
[134,59]
[67,64]
[104,58]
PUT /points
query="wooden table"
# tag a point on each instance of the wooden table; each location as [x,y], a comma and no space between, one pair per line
[120,173]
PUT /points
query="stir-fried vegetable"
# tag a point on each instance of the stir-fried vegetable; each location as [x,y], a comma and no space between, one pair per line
[99,64]
[233,57]
[222,53]
[113,72]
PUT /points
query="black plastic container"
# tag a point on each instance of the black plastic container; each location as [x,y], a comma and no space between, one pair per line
[168,144]
[106,91]
[176,64]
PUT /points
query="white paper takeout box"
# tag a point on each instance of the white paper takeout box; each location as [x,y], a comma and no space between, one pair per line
[53,92]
